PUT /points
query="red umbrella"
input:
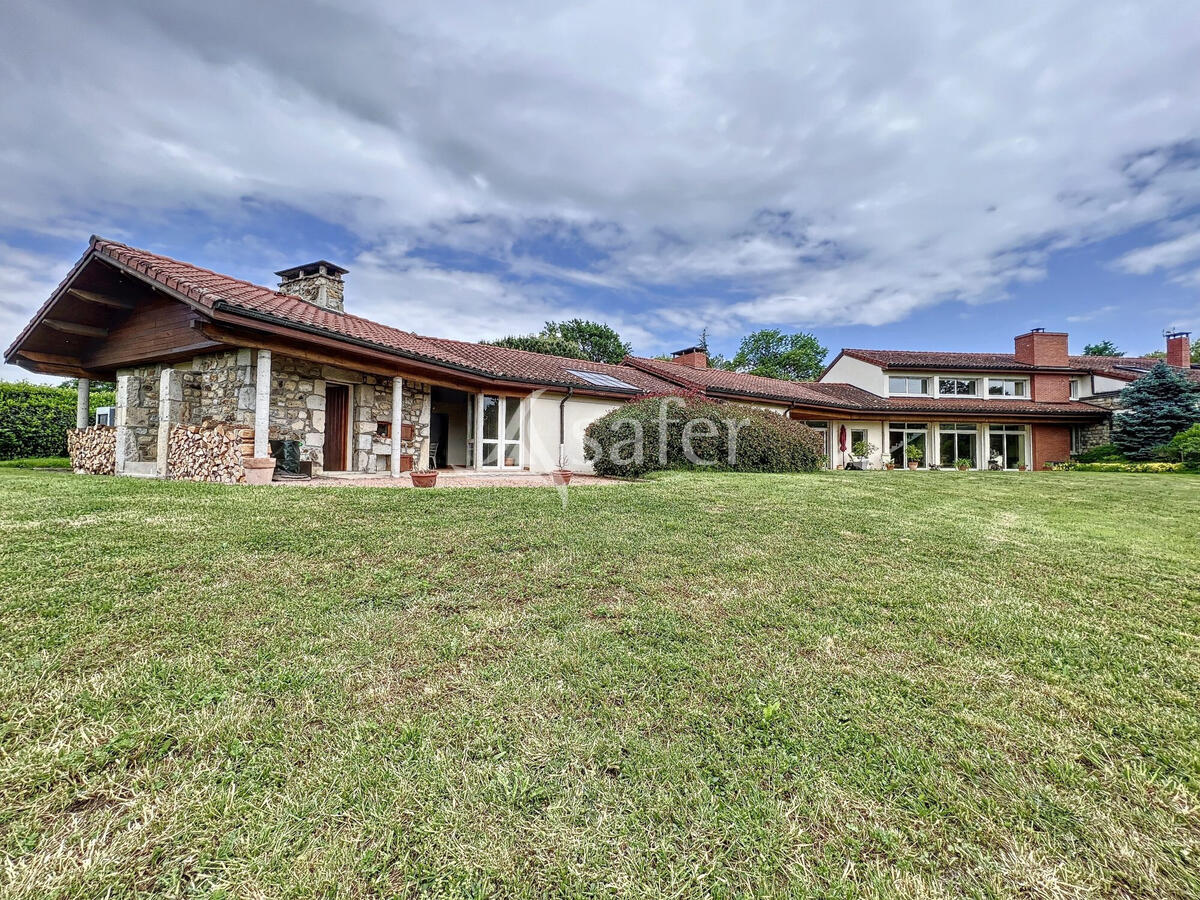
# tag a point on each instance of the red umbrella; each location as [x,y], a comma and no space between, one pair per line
[842,438]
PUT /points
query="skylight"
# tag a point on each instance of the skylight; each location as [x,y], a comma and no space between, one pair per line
[601,380]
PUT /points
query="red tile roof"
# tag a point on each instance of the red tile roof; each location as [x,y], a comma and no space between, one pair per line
[750,386]
[1126,368]
[212,290]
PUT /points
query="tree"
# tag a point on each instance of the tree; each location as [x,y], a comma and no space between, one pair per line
[93,386]
[1155,408]
[598,341]
[1162,354]
[773,354]
[1102,348]
[540,343]
[1184,447]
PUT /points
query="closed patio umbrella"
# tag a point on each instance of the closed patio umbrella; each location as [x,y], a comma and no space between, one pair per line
[842,442]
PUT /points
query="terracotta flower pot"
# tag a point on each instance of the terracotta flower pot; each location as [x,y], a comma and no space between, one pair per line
[259,469]
[963,468]
[424,479]
[1020,468]
[561,476]
[913,466]
[891,466]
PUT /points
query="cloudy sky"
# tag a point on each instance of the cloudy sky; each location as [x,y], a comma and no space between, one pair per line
[918,174]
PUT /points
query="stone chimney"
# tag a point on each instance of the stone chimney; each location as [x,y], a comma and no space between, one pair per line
[1040,347]
[1179,349]
[320,283]
[696,357]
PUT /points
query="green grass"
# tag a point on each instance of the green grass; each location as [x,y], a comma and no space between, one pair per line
[37,462]
[847,684]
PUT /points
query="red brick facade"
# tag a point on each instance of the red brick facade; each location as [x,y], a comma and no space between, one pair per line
[1051,443]
[1051,388]
[1043,348]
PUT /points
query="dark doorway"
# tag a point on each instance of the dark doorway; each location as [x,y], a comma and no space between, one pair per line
[439,432]
[337,423]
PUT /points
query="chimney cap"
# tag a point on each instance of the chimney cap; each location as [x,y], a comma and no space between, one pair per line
[1172,333]
[686,350]
[312,268]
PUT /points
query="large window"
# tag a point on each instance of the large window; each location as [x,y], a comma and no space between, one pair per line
[958,387]
[1008,387]
[500,431]
[908,385]
[1006,446]
[907,443]
[958,440]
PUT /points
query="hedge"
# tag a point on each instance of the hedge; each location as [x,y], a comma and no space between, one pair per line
[35,418]
[1155,467]
[627,442]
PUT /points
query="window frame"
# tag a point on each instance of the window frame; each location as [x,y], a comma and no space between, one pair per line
[973,379]
[925,379]
[1008,379]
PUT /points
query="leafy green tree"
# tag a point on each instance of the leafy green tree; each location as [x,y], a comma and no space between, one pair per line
[1155,408]
[599,342]
[93,386]
[540,343]
[1184,447]
[1102,348]
[774,354]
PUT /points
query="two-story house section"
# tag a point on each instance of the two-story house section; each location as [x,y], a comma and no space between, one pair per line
[1024,409]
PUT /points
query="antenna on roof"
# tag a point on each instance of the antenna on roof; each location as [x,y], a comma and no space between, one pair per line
[1036,330]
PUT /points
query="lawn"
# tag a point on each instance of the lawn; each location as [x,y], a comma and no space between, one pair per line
[846,684]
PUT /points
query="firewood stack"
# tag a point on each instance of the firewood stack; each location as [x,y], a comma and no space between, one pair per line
[209,452]
[93,450]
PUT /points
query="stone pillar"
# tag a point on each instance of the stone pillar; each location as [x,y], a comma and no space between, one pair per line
[170,403]
[121,452]
[397,422]
[262,405]
[81,403]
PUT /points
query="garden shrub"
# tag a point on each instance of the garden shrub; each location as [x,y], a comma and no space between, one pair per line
[1154,467]
[1103,453]
[1155,408]
[35,418]
[764,441]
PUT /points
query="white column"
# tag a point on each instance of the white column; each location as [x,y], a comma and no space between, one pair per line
[397,422]
[81,403]
[426,418]
[262,405]
[478,432]
[122,444]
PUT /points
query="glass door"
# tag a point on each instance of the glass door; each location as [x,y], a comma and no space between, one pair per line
[958,441]
[1006,446]
[500,431]
[906,443]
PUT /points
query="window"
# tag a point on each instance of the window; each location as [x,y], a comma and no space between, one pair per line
[1007,387]
[958,440]
[500,427]
[958,387]
[856,435]
[1074,388]
[1075,439]
[906,443]
[912,385]
[1006,446]
[821,428]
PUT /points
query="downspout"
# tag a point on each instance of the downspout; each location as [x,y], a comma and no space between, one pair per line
[562,428]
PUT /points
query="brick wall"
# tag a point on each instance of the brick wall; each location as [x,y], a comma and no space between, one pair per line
[1051,388]
[1051,443]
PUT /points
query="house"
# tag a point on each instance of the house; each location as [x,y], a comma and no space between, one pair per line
[188,346]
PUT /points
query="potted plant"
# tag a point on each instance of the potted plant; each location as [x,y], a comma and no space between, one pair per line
[915,454]
[889,465]
[424,477]
[561,476]
[962,464]
[1021,467]
[861,451]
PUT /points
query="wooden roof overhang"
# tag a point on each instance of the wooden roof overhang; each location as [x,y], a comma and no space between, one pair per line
[105,316]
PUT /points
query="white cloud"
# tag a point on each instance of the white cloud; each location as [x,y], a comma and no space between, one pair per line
[788,164]
[1163,255]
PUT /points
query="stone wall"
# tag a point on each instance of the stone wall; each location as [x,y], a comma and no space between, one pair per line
[141,412]
[1092,436]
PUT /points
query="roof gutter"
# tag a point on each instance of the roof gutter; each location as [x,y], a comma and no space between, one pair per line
[562,428]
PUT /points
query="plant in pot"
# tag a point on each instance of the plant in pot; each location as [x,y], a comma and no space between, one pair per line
[424,477]
[861,452]
[962,464]
[915,455]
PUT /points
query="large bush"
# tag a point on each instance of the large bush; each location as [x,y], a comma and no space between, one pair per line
[681,433]
[35,418]
[1155,408]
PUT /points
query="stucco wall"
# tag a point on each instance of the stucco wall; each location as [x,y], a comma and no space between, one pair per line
[542,451]
[858,373]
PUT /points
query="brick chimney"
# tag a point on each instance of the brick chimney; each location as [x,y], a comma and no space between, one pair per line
[320,283]
[1179,349]
[696,357]
[1040,347]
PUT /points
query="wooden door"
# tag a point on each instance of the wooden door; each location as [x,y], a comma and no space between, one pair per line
[337,424]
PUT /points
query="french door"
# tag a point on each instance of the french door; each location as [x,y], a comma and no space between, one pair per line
[958,441]
[499,432]
[905,435]
[1006,446]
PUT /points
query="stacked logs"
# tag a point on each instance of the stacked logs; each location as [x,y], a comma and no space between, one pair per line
[93,450]
[210,452]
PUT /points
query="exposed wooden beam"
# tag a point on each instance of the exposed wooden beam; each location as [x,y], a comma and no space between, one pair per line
[164,354]
[54,364]
[75,328]
[102,299]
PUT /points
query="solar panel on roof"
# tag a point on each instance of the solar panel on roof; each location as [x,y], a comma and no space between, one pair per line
[600,379]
